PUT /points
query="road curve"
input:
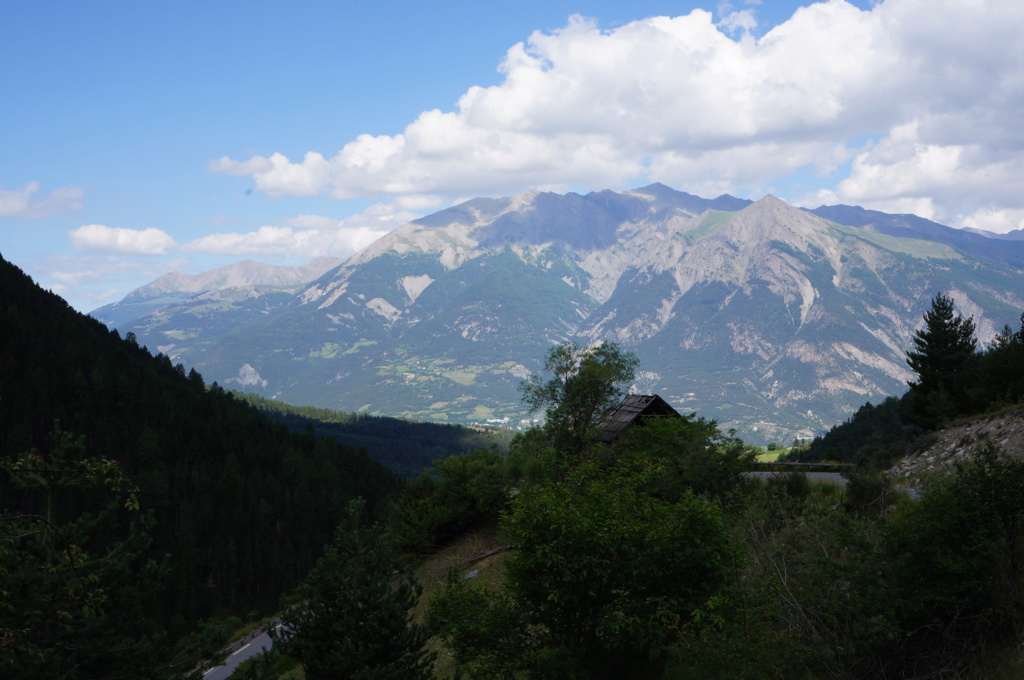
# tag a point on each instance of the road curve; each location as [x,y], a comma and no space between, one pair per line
[248,647]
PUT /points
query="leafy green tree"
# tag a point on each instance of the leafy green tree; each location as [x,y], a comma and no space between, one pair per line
[941,351]
[957,562]
[821,570]
[269,664]
[483,629]
[585,383]
[352,621]
[450,497]
[697,456]
[603,577]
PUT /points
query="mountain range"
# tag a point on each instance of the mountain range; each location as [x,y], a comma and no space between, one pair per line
[247,279]
[774,320]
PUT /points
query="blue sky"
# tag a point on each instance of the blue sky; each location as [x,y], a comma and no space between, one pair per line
[141,138]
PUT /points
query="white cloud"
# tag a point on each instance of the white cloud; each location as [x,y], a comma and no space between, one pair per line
[277,176]
[313,222]
[230,167]
[265,240]
[907,172]
[742,21]
[100,238]
[419,202]
[20,202]
[993,219]
[682,101]
[307,236]
[89,281]
[585,106]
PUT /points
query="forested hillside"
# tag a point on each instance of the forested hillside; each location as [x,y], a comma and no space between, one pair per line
[407,447]
[232,509]
[956,377]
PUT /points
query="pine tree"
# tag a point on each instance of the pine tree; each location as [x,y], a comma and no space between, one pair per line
[353,621]
[941,351]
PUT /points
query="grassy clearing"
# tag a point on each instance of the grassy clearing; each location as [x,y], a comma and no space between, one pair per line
[463,377]
[482,412]
[354,349]
[432,573]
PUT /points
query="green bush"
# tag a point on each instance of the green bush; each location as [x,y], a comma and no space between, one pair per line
[603,576]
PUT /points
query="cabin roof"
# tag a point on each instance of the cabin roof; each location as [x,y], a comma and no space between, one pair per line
[633,408]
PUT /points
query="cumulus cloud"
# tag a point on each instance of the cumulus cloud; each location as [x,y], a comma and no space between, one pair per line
[88,281]
[697,104]
[911,171]
[23,204]
[419,202]
[995,220]
[307,236]
[277,176]
[742,20]
[104,239]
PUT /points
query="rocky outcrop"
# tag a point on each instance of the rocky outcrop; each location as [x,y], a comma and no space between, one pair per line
[958,443]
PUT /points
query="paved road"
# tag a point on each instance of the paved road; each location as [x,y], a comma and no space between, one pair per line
[823,477]
[248,648]
[828,478]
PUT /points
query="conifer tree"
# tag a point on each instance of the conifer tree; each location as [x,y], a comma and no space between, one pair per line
[353,621]
[941,351]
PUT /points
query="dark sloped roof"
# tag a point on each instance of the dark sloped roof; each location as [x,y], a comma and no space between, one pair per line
[633,408]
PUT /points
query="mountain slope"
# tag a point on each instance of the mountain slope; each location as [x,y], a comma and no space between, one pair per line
[772,319]
[1002,248]
[238,283]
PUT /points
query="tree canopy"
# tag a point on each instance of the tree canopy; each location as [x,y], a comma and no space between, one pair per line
[585,383]
[605,570]
[236,507]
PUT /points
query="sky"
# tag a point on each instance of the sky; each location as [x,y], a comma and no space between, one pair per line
[140,138]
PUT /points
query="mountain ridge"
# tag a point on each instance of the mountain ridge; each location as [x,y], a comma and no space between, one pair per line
[248,278]
[773,319]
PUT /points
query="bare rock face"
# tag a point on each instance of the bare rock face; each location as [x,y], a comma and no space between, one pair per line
[958,443]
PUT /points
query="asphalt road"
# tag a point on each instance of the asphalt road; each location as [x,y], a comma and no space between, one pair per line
[248,648]
[823,477]
[828,478]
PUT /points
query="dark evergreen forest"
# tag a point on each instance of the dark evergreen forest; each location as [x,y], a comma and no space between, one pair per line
[407,447]
[233,508]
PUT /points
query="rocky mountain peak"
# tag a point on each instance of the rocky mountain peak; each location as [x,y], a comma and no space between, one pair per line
[239,274]
[774,220]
